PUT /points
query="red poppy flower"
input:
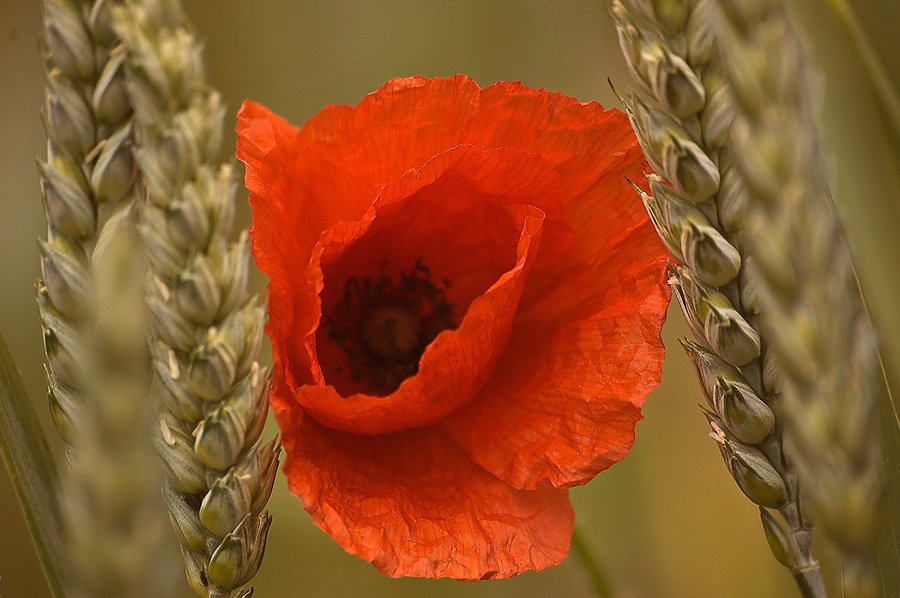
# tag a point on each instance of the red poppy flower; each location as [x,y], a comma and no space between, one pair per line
[465,306]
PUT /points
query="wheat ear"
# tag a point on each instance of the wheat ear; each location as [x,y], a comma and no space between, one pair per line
[93,313]
[206,328]
[88,170]
[811,314]
[693,131]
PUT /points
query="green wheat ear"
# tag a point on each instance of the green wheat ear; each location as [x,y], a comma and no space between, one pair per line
[829,376]
[786,357]
[93,315]
[116,521]
[88,171]
[206,327]
[131,121]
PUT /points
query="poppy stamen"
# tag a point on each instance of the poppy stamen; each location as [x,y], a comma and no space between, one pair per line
[384,326]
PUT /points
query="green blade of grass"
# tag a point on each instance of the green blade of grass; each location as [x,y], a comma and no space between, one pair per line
[32,471]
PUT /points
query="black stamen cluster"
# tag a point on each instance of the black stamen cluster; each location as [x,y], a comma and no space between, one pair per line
[384,327]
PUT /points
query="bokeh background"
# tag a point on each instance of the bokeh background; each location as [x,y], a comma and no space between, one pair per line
[667,521]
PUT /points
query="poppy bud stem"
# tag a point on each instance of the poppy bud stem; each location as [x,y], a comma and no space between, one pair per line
[591,561]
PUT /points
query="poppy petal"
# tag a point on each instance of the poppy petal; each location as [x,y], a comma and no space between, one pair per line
[414,505]
[568,411]
[465,193]
[521,199]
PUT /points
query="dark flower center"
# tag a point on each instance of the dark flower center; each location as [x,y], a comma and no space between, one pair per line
[383,326]
[391,333]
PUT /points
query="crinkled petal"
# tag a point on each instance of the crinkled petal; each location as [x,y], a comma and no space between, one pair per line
[450,214]
[478,490]
[414,505]
[297,188]
[334,167]
[585,349]
[567,411]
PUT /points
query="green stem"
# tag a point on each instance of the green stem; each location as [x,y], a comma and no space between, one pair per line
[32,470]
[591,561]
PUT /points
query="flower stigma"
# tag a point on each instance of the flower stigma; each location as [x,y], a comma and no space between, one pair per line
[383,326]
[391,333]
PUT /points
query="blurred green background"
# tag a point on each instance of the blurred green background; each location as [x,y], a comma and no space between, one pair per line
[667,521]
